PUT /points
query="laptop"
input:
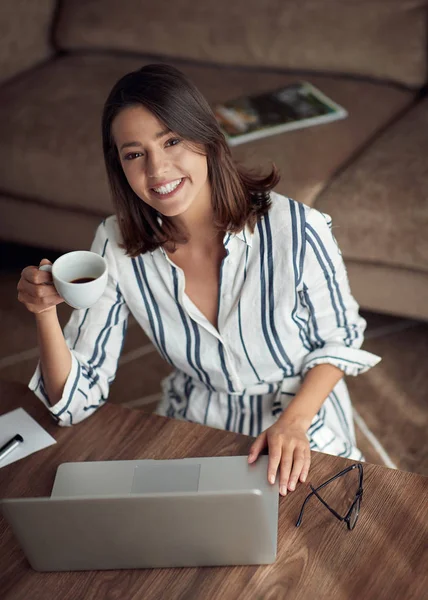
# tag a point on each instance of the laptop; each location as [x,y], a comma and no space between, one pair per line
[136,514]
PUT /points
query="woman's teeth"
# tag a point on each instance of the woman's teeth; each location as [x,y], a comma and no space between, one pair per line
[169,187]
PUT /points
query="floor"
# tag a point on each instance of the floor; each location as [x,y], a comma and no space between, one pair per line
[390,400]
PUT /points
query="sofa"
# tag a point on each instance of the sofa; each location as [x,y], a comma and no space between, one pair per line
[59,59]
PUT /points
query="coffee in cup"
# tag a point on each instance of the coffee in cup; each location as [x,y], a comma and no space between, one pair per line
[79,277]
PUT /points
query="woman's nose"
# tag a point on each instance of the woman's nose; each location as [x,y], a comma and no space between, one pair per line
[157,164]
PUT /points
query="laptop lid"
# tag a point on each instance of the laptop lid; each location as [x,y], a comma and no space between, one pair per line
[161,528]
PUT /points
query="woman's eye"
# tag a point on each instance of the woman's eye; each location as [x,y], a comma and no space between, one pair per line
[132,155]
[173,142]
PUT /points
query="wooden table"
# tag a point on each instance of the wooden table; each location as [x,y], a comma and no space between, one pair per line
[383,557]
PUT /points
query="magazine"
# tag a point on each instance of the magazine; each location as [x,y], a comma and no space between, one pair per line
[291,107]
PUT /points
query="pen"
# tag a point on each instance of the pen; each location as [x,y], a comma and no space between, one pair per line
[10,445]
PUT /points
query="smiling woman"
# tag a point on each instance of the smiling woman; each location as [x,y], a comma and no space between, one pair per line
[170,174]
[243,291]
[158,129]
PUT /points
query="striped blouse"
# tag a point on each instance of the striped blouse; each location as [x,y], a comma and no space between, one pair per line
[284,306]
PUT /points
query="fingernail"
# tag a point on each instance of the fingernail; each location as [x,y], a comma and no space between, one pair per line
[271,478]
[303,478]
[283,490]
[292,486]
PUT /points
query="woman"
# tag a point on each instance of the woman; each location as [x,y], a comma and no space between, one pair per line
[243,291]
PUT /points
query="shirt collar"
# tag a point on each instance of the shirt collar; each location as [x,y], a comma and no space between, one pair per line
[245,235]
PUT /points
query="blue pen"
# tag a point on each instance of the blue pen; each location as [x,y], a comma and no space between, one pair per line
[10,445]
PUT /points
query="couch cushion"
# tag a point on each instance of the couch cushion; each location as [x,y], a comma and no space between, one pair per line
[25,34]
[376,38]
[387,188]
[50,147]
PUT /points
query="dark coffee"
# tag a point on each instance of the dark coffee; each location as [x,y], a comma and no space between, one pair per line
[83,280]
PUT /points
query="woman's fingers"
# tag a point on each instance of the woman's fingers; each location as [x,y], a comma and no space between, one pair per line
[295,463]
[275,453]
[36,277]
[292,457]
[298,462]
[35,290]
[306,466]
[285,468]
[257,447]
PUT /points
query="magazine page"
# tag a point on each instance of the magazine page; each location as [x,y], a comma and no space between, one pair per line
[260,115]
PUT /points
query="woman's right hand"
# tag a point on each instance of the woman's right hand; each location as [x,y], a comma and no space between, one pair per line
[36,290]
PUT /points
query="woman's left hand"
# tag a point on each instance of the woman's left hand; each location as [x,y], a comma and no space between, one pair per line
[288,449]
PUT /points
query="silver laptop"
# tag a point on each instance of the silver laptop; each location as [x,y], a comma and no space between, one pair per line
[150,513]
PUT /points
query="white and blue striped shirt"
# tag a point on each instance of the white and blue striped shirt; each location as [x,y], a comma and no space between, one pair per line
[284,307]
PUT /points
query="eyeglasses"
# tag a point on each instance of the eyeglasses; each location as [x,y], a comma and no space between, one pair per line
[351,517]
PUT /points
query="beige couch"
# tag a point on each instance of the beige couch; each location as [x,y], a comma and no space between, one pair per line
[58,61]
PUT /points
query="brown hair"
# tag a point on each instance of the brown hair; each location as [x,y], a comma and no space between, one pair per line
[239,196]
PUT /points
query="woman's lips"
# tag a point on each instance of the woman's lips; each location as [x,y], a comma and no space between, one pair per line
[169,194]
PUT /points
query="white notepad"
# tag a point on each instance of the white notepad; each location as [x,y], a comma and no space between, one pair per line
[35,437]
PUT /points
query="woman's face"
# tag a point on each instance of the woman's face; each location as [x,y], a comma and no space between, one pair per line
[161,168]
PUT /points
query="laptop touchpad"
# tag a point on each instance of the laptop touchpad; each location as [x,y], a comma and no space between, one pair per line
[161,478]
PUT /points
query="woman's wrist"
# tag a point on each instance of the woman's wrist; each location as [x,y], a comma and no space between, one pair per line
[316,386]
[49,315]
[294,419]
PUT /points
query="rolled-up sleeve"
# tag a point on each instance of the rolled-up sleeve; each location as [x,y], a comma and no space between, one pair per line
[95,337]
[335,329]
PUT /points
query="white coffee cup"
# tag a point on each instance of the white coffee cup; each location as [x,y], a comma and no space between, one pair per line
[70,269]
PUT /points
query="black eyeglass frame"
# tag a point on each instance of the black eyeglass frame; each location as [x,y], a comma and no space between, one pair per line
[356,501]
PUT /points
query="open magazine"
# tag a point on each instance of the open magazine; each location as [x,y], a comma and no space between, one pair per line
[291,107]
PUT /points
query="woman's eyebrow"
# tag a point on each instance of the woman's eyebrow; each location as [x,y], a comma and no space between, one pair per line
[158,135]
[129,144]
[162,133]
